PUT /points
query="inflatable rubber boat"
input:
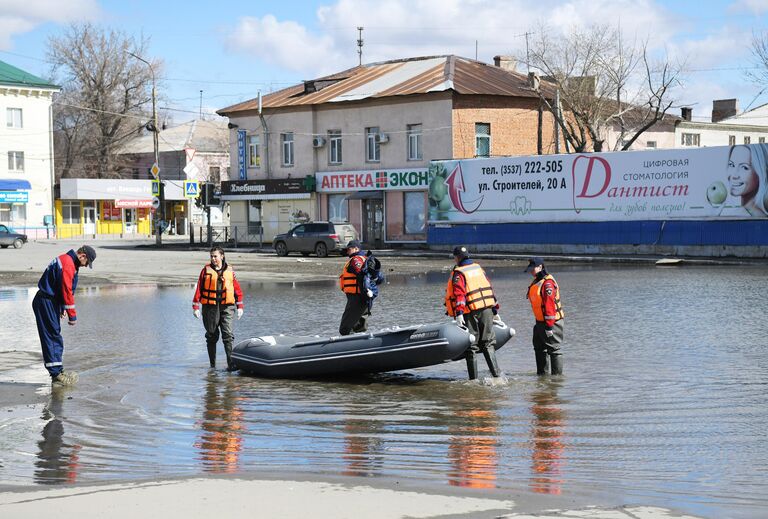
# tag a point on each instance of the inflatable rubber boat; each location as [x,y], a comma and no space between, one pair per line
[391,349]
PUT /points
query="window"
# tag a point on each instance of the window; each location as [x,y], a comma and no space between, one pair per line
[286,141]
[14,118]
[5,216]
[747,140]
[254,216]
[15,161]
[731,140]
[134,173]
[413,206]
[761,140]
[414,141]
[372,146]
[338,208]
[482,139]
[70,212]
[254,158]
[650,144]
[689,139]
[334,147]
[214,174]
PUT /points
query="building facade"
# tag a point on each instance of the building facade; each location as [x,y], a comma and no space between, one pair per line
[195,150]
[26,152]
[365,138]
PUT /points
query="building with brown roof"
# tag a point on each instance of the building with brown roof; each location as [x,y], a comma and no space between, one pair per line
[366,135]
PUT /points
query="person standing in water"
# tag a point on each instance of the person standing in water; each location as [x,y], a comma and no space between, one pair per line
[218,293]
[54,300]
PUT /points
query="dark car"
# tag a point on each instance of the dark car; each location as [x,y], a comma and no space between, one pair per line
[8,238]
[318,237]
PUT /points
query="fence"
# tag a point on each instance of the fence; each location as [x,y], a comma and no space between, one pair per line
[231,235]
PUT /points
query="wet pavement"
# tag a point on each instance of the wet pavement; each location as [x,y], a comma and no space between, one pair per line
[662,402]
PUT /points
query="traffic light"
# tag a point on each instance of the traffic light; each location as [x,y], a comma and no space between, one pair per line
[209,195]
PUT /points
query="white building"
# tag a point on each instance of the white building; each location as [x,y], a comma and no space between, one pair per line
[26,152]
[726,128]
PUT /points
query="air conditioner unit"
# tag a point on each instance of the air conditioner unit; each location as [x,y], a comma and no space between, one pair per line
[318,142]
[382,138]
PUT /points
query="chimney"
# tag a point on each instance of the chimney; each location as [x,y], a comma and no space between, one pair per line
[533,80]
[505,62]
[724,108]
[686,112]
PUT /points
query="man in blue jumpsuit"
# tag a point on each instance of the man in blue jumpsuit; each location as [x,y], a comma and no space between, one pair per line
[54,299]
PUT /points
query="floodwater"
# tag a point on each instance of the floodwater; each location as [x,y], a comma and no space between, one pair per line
[663,401]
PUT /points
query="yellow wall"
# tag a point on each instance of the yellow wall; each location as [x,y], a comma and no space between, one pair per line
[105,227]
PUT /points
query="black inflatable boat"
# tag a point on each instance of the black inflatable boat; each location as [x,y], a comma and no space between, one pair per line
[391,349]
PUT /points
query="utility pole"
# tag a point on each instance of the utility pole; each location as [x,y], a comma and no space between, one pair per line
[155,136]
[360,45]
[201,105]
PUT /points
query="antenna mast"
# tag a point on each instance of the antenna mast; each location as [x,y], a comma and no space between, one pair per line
[360,45]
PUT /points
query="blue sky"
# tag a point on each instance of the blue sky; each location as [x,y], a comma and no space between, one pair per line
[230,50]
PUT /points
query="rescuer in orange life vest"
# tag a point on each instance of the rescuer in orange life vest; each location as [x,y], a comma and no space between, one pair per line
[218,291]
[470,299]
[544,295]
[359,280]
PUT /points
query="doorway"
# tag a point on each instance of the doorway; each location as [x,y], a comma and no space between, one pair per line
[90,216]
[129,221]
[373,222]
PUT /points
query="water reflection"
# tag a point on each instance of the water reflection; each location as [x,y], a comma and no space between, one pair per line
[57,461]
[363,447]
[221,428]
[472,449]
[547,456]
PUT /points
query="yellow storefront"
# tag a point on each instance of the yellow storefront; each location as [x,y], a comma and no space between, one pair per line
[112,208]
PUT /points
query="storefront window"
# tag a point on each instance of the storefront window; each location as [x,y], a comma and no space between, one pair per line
[254,216]
[338,208]
[110,212]
[70,212]
[5,213]
[414,208]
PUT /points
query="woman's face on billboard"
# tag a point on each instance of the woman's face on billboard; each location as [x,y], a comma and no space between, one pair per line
[741,175]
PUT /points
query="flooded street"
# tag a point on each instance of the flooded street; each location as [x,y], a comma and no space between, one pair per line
[663,401]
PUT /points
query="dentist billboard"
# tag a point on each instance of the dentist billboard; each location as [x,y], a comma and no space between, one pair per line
[728,182]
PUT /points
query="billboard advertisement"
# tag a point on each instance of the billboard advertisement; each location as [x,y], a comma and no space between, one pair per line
[364,180]
[724,182]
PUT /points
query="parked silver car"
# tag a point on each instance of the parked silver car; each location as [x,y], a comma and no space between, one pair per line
[318,237]
[8,238]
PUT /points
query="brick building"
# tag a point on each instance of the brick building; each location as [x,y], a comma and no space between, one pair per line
[366,137]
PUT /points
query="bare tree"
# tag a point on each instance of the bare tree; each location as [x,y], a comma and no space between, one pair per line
[759,73]
[604,84]
[105,97]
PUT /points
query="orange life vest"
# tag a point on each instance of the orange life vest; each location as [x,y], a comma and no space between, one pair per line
[537,305]
[210,294]
[348,280]
[479,292]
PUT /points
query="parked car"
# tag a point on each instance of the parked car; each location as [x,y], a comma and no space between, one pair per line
[8,238]
[318,237]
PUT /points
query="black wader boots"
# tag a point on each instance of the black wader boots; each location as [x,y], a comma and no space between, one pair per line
[471,364]
[490,358]
[212,353]
[542,363]
[228,351]
[557,363]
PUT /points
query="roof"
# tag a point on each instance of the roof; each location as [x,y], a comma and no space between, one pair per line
[758,116]
[203,136]
[12,76]
[402,77]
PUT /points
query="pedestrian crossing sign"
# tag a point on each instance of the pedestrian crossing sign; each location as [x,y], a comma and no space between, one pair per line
[155,188]
[191,189]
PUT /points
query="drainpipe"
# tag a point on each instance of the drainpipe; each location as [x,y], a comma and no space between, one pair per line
[265,131]
[50,160]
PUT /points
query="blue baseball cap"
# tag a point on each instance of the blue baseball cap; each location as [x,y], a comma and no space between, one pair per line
[533,263]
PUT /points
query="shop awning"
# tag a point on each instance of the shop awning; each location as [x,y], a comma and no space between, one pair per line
[366,195]
[12,184]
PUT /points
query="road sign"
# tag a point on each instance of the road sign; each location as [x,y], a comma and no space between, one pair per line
[191,189]
[155,170]
[155,203]
[155,188]
[191,170]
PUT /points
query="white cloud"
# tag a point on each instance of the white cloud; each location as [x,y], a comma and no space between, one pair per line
[20,16]
[752,6]
[287,44]
[402,28]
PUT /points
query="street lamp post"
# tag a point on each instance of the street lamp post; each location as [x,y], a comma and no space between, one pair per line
[155,137]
